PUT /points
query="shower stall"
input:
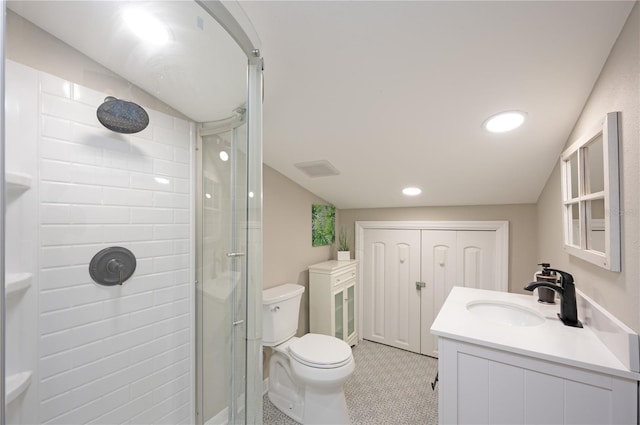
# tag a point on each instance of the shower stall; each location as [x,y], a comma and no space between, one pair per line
[132,213]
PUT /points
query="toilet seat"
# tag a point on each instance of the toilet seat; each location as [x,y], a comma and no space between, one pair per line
[320,351]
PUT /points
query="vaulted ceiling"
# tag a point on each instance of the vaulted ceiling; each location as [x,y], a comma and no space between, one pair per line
[394,94]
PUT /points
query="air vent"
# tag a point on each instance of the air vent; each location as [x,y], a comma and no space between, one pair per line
[322,168]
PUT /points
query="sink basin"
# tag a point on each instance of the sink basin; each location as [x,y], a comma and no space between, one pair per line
[505,313]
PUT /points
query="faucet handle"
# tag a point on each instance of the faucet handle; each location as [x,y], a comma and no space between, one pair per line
[566,278]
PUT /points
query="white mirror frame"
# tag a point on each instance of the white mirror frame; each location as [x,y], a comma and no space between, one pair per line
[610,258]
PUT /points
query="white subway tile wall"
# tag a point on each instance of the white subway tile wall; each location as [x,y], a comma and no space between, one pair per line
[119,354]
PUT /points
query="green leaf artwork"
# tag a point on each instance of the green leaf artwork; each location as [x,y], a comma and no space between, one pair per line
[323,225]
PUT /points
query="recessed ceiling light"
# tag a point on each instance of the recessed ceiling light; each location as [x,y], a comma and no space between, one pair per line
[146,26]
[224,156]
[411,191]
[504,121]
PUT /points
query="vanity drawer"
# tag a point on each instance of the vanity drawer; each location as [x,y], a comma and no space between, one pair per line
[342,278]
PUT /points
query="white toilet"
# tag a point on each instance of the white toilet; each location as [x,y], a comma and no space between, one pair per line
[306,374]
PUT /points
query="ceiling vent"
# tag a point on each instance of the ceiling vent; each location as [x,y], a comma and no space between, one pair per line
[322,168]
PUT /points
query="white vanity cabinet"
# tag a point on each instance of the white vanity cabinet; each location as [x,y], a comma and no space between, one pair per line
[482,385]
[499,366]
[332,299]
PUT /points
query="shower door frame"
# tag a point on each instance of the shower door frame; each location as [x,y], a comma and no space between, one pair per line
[3,31]
[233,19]
[236,253]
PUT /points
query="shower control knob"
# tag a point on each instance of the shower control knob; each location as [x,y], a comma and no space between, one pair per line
[112,266]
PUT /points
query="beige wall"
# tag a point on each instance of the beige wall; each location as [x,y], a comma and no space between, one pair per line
[287,229]
[617,89]
[287,237]
[522,230]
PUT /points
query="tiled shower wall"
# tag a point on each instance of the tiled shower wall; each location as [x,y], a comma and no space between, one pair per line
[119,354]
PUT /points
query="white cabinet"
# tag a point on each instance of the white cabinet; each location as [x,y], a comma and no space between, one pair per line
[332,295]
[488,386]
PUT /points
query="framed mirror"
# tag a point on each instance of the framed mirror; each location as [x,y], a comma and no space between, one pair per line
[590,194]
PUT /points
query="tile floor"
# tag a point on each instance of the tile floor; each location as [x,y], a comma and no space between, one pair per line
[389,386]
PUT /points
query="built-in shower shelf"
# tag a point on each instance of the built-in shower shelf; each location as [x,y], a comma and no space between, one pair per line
[17,182]
[17,384]
[16,283]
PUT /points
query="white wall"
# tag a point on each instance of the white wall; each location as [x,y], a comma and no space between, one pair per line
[108,354]
[617,89]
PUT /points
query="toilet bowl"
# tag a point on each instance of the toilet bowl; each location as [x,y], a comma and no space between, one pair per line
[306,374]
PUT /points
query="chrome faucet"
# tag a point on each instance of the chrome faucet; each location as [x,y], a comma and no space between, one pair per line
[567,291]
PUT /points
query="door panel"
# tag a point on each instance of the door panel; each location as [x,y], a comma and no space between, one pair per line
[391,300]
[439,259]
[477,259]
[338,299]
[376,304]
[221,303]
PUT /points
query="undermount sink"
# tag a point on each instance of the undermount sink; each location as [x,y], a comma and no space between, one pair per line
[505,313]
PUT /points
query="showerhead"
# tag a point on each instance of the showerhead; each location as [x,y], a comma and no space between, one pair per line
[122,116]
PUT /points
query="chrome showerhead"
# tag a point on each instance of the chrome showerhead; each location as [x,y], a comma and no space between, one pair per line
[122,116]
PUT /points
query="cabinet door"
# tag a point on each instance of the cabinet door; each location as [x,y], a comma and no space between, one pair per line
[486,386]
[344,314]
[350,312]
[338,314]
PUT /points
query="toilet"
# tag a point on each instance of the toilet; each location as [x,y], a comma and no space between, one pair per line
[307,373]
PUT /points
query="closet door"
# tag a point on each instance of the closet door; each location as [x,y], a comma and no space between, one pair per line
[476,263]
[396,310]
[453,258]
[391,268]
[439,268]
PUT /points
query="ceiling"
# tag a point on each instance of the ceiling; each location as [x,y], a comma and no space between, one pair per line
[185,73]
[394,94]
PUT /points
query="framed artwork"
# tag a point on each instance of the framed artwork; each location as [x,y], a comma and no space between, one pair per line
[323,225]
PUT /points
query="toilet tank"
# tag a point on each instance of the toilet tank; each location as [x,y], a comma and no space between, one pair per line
[280,310]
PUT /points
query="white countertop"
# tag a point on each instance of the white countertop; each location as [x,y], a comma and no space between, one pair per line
[552,340]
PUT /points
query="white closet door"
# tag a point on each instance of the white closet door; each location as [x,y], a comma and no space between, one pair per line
[453,258]
[476,262]
[398,313]
[391,268]
[439,258]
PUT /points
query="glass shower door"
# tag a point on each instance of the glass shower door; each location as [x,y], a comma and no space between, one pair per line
[222,284]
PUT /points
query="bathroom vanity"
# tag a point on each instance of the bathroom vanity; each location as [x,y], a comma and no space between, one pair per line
[505,358]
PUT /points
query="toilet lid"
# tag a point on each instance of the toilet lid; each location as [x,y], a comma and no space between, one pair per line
[321,351]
